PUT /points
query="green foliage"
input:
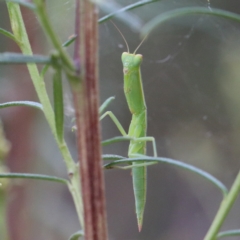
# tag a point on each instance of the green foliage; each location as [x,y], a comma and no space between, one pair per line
[61,63]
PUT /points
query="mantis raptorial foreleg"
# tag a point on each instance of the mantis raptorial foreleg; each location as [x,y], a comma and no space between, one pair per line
[123,132]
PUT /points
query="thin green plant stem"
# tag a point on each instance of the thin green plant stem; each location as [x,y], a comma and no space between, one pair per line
[21,36]
[20,33]
[3,213]
[224,209]
[43,17]
[4,192]
[75,190]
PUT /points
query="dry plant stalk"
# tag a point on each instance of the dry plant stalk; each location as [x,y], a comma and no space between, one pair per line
[85,95]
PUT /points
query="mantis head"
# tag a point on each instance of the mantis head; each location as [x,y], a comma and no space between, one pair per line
[131,60]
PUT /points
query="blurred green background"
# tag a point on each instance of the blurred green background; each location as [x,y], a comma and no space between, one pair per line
[191,79]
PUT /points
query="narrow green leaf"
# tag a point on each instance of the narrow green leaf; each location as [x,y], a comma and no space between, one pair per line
[160,19]
[180,164]
[43,17]
[130,19]
[7,34]
[22,103]
[115,140]
[76,235]
[58,103]
[124,9]
[229,233]
[69,41]
[111,157]
[34,176]
[105,104]
[18,58]
[23,3]
[44,70]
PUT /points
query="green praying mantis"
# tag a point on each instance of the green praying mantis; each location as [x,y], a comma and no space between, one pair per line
[137,132]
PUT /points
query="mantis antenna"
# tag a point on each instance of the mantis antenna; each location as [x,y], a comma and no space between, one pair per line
[140,44]
[126,40]
[121,35]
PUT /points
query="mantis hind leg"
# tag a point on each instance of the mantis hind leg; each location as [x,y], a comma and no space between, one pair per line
[146,139]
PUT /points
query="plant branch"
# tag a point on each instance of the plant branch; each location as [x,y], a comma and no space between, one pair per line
[85,95]
[180,164]
[223,210]
[21,36]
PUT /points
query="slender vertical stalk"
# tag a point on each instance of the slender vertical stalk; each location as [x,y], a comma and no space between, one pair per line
[224,209]
[4,150]
[21,36]
[85,95]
